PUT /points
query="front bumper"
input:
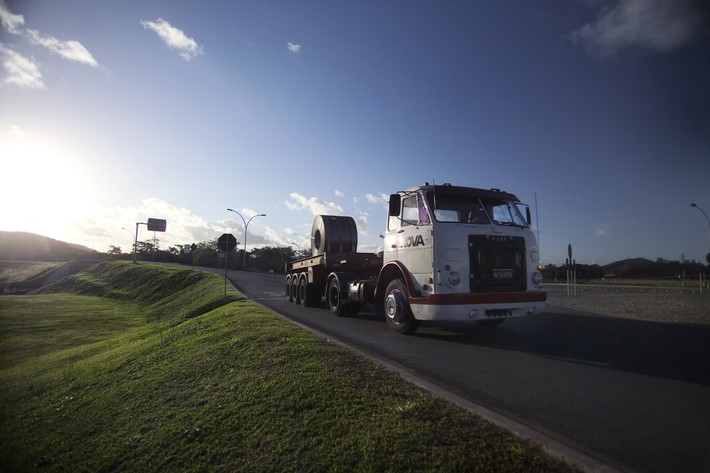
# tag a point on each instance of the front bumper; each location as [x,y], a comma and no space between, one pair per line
[479,306]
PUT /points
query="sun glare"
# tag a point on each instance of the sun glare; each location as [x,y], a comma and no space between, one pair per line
[41,189]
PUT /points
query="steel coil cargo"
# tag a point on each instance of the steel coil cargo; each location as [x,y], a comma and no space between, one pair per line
[333,233]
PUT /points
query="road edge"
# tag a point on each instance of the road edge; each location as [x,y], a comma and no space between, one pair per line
[549,444]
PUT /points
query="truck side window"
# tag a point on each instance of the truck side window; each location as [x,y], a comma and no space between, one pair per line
[410,211]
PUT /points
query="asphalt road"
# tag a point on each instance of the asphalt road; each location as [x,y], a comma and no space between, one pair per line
[632,394]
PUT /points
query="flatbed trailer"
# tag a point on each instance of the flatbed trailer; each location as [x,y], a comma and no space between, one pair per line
[307,279]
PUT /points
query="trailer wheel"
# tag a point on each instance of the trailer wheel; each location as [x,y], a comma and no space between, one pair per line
[397,311]
[304,291]
[335,302]
[288,288]
[294,289]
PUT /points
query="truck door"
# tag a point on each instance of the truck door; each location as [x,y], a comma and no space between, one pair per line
[414,239]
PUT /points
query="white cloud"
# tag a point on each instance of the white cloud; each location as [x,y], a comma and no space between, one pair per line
[275,237]
[21,71]
[24,72]
[11,22]
[314,204]
[174,38]
[294,48]
[183,226]
[15,130]
[72,50]
[380,199]
[656,25]
[602,230]
[339,194]
[363,225]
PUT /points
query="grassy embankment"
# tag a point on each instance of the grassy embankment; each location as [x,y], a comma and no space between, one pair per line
[142,368]
[16,271]
[20,272]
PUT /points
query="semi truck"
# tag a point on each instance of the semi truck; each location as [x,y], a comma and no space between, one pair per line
[451,254]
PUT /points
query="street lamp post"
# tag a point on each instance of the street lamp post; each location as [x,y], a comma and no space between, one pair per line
[246,225]
[693,204]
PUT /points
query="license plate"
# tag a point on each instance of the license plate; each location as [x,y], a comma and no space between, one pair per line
[502,273]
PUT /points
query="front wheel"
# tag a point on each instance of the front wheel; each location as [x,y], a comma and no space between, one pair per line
[334,299]
[397,311]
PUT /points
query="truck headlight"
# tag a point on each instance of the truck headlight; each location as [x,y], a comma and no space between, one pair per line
[454,278]
[537,278]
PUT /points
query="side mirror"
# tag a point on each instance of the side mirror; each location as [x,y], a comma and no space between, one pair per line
[527,213]
[395,205]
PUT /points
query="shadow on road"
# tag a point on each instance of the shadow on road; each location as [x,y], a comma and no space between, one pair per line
[678,352]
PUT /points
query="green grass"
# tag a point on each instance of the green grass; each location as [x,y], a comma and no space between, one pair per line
[17,271]
[141,368]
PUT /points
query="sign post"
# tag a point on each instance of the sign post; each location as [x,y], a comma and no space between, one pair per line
[571,273]
[226,243]
[154,225]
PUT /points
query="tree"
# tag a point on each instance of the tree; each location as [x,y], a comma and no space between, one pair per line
[206,254]
[114,251]
[270,258]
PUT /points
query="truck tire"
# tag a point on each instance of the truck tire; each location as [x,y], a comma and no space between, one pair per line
[288,288]
[335,303]
[397,311]
[304,291]
[294,289]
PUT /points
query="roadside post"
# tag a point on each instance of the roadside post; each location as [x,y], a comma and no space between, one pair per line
[571,265]
[226,243]
[154,225]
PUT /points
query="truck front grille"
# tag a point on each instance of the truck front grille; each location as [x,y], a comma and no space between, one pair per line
[497,263]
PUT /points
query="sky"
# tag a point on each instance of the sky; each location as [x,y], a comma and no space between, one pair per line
[596,113]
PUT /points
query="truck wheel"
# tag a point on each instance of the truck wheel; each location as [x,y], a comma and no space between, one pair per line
[304,291]
[294,289]
[335,302]
[397,311]
[288,288]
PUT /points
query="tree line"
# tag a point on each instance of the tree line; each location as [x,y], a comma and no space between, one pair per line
[637,268]
[207,253]
[274,259]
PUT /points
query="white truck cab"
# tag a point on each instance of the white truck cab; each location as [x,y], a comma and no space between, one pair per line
[458,254]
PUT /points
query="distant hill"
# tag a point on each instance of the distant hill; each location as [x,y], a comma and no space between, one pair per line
[627,265]
[24,246]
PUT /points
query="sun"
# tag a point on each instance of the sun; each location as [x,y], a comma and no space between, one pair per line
[41,189]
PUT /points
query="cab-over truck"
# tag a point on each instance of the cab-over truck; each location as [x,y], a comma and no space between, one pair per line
[451,255]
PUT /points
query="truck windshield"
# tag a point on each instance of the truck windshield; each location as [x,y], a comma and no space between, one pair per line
[465,208]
